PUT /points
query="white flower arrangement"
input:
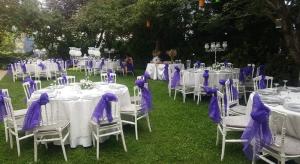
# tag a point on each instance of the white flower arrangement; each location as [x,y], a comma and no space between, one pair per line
[86,84]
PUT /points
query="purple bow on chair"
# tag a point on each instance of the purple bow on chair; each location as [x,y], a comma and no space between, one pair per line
[214,110]
[175,81]
[31,85]
[43,67]
[104,104]
[248,70]
[109,77]
[205,76]
[146,76]
[33,115]
[146,102]
[198,64]
[242,76]
[23,67]
[261,70]
[101,64]
[166,72]
[226,63]
[90,64]
[262,84]
[258,127]
[64,79]
[2,106]
[58,66]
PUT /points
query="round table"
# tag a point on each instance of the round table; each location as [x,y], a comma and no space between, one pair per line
[284,97]
[77,105]
[156,70]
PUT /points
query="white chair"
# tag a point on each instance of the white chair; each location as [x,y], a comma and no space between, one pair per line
[171,74]
[283,146]
[134,110]
[51,129]
[70,80]
[104,77]
[26,86]
[268,82]
[15,72]
[5,94]
[229,124]
[198,91]
[14,124]
[39,72]
[233,105]
[184,88]
[105,128]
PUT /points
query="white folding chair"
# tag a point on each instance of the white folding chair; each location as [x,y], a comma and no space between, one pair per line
[184,88]
[229,124]
[104,77]
[39,72]
[198,91]
[268,82]
[26,86]
[233,105]
[70,80]
[51,129]
[105,128]
[283,146]
[134,110]
[14,124]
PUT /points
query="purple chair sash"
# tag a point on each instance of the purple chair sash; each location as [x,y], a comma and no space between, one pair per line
[226,63]
[175,81]
[122,65]
[33,115]
[205,76]
[242,76]
[43,67]
[146,76]
[31,85]
[90,64]
[2,107]
[198,64]
[214,110]
[104,104]
[248,70]
[146,102]
[109,77]
[258,127]
[261,70]
[101,64]
[130,67]
[262,84]
[64,79]
[23,67]
[166,72]
[58,66]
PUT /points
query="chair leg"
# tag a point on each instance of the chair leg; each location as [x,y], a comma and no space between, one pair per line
[148,121]
[175,94]
[282,160]
[123,140]
[170,92]
[223,146]
[6,131]
[97,140]
[198,98]
[245,97]
[217,140]
[35,144]
[18,146]
[136,128]
[63,149]
[184,96]
[10,139]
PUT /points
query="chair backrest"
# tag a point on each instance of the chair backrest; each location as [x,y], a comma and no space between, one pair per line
[115,112]
[10,117]
[5,92]
[277,125]
[114,77]
[268,82]
[26,86]
[140,77]
[104,77]
[70,80]
[220,98]
[137,95]
[231,99]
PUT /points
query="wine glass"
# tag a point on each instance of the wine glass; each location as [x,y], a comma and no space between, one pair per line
[276,86]
[285,81]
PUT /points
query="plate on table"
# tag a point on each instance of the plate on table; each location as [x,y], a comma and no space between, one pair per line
[292,106]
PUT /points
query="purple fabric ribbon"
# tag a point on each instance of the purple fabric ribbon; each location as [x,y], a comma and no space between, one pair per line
[43,67]
[205,76]
[23,67]
[262,84]
[104,104]
[146,102]
[101,64]
[226,63]
[121,64]
[262,70]
[130,67]
[31,85]
[58,66]
[109,77]
[146,76]
[64,79]
[258,127]
[214,110]
[33,115]
[198,64]
[90,64]
[242,76]
[175,81]
[2,106]
[248,70]
[166,72]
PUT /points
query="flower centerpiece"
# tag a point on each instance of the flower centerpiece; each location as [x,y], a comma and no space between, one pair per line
[172,53]
[155,54]
[86,84]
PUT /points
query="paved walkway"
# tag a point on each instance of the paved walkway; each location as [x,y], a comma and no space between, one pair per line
[2,74]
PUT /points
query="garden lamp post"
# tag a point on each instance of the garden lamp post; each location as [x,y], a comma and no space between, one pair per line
[215,47]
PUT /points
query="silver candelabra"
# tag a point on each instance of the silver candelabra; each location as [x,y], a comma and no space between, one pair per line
[215,47]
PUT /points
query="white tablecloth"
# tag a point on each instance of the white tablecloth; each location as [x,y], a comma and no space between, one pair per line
[293,118]
[77,106]
[193,77]
[156,70]
[34,66]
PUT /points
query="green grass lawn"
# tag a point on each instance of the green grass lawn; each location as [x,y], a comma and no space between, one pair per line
[181,133]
